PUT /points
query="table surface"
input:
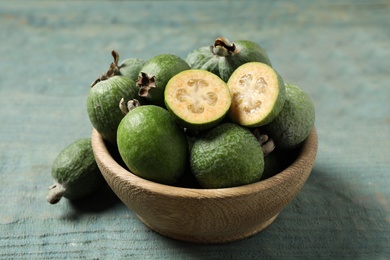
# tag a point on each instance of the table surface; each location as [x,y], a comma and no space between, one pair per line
[337,51]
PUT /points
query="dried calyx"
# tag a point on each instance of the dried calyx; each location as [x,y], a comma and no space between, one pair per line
[112,70]
[125,107]
[222,47]
[145,83]
[267,144]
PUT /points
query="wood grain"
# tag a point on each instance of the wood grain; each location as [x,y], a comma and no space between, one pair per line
[207,215]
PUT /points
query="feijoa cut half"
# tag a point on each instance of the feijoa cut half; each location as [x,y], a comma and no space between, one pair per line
[197,98]
[258,94]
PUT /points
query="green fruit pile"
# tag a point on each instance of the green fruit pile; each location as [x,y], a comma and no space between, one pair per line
[222,116]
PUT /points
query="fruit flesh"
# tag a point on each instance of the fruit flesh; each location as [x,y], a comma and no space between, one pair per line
[197,97]
[258,94]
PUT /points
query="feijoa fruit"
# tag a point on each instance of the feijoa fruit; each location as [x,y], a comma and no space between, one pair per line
[227,155]
[75,172]
[258,94]
[103,99]
[197,98]
[155,74]
[152,145]
[295,121]
[224,56]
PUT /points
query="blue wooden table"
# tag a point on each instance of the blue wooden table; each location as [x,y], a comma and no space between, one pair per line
[337,51]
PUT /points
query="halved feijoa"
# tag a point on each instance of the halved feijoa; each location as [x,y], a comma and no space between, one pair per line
[198,98]
[258,94]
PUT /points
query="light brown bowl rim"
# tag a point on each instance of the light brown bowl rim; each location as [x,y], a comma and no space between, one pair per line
[104,158]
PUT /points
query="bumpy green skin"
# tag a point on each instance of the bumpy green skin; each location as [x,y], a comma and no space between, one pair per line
[163,67]
[296,120]
[152,145]
[226,156]
[103,104]
[131,67]
[75,168]
[223,66]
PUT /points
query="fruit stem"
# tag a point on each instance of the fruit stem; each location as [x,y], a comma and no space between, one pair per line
[267,143]
[112,70]
[56,192]
[222,47]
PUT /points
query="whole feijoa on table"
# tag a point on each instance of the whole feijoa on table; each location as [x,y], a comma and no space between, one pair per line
[75,172]
[155,74]
[258,94]
[197,98]
[152,145]
[227,155]
[223,57]
[295,121]
[103,99]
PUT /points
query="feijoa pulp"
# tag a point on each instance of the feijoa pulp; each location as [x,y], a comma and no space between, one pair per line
[258,94]
[198,98]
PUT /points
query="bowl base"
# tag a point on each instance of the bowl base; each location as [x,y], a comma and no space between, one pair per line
[214,239]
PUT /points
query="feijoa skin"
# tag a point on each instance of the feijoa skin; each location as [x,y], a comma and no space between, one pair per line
[224,57]
[103,104]
[75,172]
[295,121]
[197,98]
[152,145]
[131,67]
[258,94]
[227,155]
[155,74]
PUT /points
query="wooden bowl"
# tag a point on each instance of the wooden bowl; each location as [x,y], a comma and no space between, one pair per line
[207,215]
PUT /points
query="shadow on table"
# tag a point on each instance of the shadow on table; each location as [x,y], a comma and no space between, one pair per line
[103,200]
[323,221]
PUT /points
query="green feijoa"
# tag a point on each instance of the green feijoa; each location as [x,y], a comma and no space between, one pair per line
[152,145]
[155,74]
[295,121]
[258,94]
[227,155]
[75,172]
[224,57]
[104,97]
[197,98]
[131,67]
